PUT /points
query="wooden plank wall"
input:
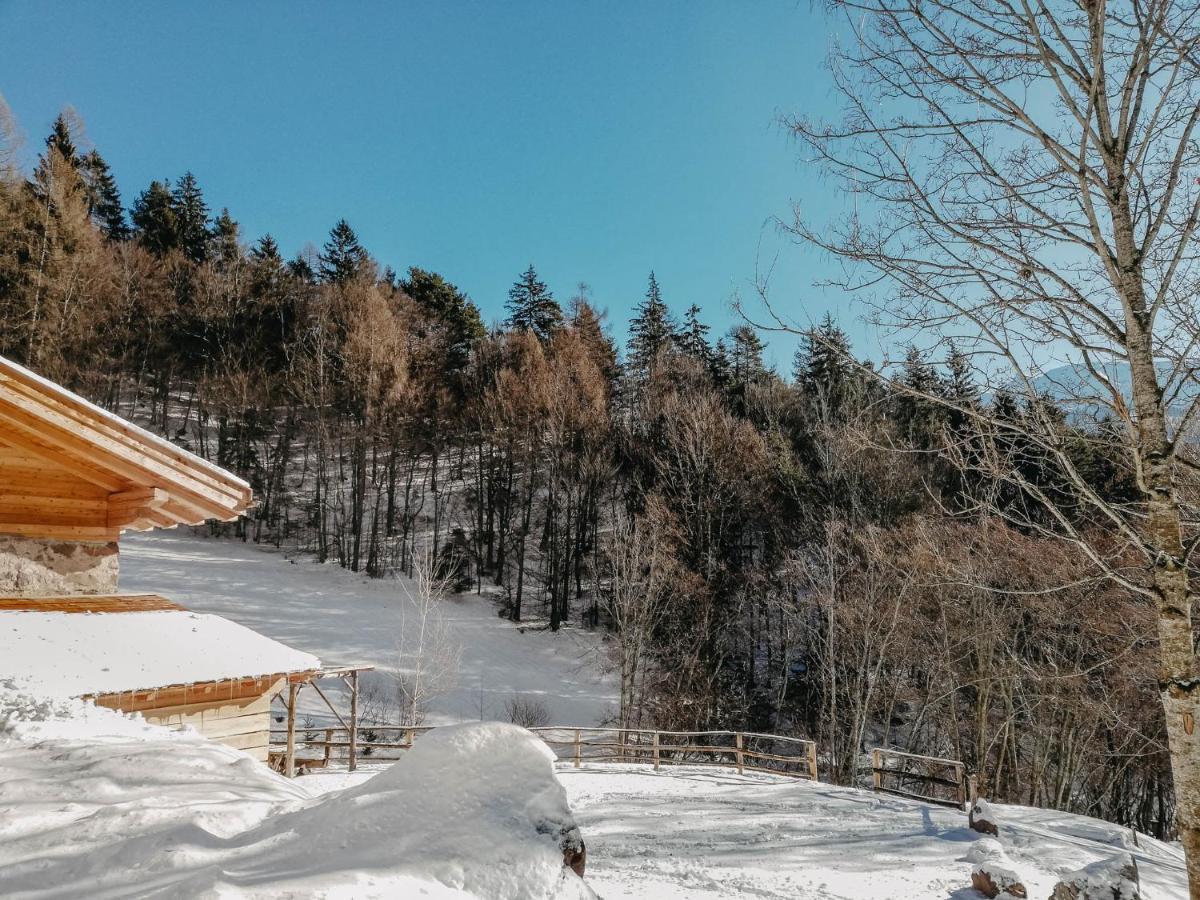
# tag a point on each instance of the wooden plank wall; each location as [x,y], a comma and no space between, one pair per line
[240,717]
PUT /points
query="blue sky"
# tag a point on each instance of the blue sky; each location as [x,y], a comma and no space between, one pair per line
[597,141]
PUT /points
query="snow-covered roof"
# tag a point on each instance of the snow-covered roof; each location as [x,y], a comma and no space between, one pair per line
[140,645]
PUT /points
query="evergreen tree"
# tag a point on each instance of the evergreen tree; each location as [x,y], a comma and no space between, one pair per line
[61,139]
[104,199]
[267,250]
[917,415]
[532,307]
[343,256]
[154,219]
[225,237]
[191,218]
[650,332]
[453,310]
[693,338]
[720,367]
[822,367]
[746,356]
[959,385]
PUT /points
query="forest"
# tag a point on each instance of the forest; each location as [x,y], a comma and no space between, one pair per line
[817,552]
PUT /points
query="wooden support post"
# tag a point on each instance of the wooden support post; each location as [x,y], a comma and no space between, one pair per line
[328,747]
[408,737]
[972,789]
[812,760]
[353,721]
[740,761]
[578,748]
[876,765]
[289,762]
[656,751]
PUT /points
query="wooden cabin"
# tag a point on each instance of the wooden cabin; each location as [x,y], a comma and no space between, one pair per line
[145,654]
[73,477]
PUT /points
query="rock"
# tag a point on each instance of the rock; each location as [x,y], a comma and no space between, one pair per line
[575,857]
[992,881]
[1115,878]
[982,818]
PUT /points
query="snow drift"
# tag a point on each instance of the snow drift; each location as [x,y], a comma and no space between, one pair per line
[97,804]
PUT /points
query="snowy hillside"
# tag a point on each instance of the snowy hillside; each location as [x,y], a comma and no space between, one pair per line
[346,618]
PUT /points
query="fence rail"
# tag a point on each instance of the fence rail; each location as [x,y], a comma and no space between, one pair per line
[919,777]
[745,751]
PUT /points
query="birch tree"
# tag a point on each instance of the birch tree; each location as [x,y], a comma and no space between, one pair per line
[1023,176]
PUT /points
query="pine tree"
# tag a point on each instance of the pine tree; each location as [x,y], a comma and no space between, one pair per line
[959,385]
[915,413]
[650,332]
[693,338]
[822,367]
[225,237]
[191,218]
[154,219]
[720,367]
[61,139]
[267,250]
[746,357]
[532,307]
[104,199]
[343,256]
[451,309]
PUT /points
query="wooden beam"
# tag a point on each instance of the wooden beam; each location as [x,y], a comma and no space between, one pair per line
[95,534]
[353,720]
[289,763]
[76,440]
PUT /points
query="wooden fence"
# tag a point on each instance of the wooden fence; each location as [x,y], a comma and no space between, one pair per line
[928,778]
[742,750]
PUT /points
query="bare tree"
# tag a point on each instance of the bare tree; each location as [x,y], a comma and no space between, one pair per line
[637,570]
[429,655]
[1021,175]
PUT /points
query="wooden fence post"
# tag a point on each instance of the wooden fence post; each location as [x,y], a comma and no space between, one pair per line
[353,721]
[409,737]
[738,752]
[876,765]
[289,763]
[656,751]
[812,760]
[328,747]
[578,748]
[972,789]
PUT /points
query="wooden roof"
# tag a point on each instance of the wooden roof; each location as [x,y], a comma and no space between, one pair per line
[58,449]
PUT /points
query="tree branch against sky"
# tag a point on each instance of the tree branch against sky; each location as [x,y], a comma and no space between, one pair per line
[1023,177]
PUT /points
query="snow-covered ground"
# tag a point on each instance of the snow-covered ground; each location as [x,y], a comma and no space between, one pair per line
[706,834]
[94,804]
[345,618]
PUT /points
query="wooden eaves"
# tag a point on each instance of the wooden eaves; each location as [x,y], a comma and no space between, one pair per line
[73,470]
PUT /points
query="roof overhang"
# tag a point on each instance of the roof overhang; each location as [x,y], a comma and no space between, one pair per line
[149,481]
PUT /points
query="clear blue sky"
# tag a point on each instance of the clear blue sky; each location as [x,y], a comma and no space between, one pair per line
[596,140]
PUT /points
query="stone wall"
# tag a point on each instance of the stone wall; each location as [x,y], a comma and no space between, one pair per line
[38,567]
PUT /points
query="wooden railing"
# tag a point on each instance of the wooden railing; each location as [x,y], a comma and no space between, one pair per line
[919,777]
[744,751]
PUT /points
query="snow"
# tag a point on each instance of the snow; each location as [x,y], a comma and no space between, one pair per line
[93,803]
[346,618]
[68,654]
[709,833]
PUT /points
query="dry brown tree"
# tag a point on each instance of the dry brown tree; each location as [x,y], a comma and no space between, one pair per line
[1024,175]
